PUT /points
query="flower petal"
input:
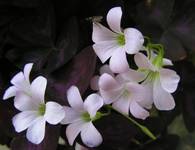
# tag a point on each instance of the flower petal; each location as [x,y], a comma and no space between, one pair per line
[148,96]
[93,103]
[107,82]
[73,130]
[10,92]
[109,88]
[74,98]
[169,80]
[71,116]
[162,99]
[27,70]
[118,61]
[24,102]
[122,105]
[137,91]
[102,34]
[167,62]
[38,88]
[134,40]
[137,111]
[90,135]
[20,82]
[104,50]
[143,62]
[54,113]
[114,19]
[23,120]
[36,132]
[131,76]
[94,83]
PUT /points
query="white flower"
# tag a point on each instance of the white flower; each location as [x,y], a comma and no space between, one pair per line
[20,81]
[21,88]
[80,116]
[125,96]
[116,43]
[35,113]
[160,82]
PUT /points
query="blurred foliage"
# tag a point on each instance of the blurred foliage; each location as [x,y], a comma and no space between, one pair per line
[56,36]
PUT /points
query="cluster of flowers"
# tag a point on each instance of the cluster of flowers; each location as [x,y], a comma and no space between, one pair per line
[124,89]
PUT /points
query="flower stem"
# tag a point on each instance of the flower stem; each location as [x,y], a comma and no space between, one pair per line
[144,129]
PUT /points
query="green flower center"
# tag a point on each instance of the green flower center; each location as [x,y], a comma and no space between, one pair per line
[86,117]
[126,93]
[121,39]
[41,109]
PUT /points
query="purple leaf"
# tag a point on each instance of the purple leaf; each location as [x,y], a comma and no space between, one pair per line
[77,72]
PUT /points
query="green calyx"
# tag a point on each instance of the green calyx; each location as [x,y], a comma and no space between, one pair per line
[156,48]
[41,110]
[121,39]
[152,75]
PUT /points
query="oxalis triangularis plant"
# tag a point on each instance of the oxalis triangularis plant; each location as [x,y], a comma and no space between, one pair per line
[118,87]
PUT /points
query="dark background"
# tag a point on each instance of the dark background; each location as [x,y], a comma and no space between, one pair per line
[56,36]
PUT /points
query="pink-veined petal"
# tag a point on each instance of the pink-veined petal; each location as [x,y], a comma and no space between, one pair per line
[71,115]
[118,62]
[134,40]
[36,132]
[10,92]
[23,120]
[93,103]
[73,130]
[104,50]
[137,111]
[143,62]
[94,83]
[54,113]
[74,98]
[90,135]
[169,80]
[24,102]
[38,88]
[114,19]
[102,34]
[27,70]
[162,99]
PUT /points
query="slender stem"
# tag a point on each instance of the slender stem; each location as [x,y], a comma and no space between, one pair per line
[143,128]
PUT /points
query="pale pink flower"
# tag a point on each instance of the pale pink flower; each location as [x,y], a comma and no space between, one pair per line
[160,81]
[80,117]
[125,96]
[115,43]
